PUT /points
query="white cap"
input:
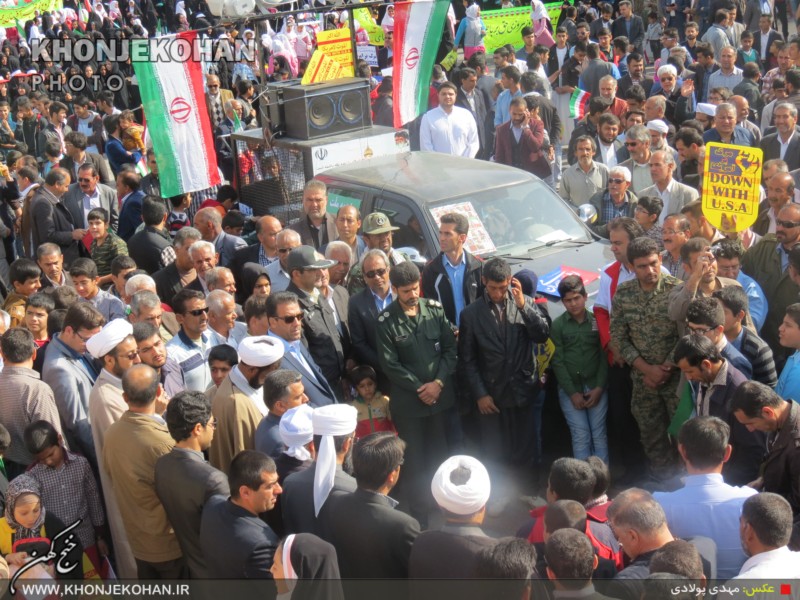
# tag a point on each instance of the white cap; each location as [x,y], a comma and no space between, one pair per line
[297,430]
[706,109]
[109,338]
[260,351]
[329,421]
[658,125]
[467,498]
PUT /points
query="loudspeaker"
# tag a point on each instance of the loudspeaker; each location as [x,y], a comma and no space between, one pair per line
[272,104]
[329,108]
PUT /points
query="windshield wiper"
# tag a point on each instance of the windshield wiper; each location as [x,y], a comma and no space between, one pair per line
[552,243]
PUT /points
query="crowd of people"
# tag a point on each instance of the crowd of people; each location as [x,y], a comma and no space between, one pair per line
[211,393]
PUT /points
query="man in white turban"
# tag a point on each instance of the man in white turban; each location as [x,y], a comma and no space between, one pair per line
[306,492]
[461,488]
[238,406]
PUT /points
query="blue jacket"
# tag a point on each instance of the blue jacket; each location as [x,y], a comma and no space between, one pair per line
[130,217]
[741,137]
[118,156]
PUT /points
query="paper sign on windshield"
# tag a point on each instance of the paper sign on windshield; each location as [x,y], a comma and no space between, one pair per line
[478,241]
[731,185]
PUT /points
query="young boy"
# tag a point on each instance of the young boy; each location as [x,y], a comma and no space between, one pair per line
[106,245]
[372,405]
[120,267]
[37,311]
[68,487]
[652,37]
[84,278]
[746,53]
[221,360]
[646,214]
[178,219]
[52,152]
[233,223]
[24,275]
[582,370]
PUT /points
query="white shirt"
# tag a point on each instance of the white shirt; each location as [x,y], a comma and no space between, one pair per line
[608,155]
[90,202]
[455,133]
[780,563]
[665,196]
[764,44]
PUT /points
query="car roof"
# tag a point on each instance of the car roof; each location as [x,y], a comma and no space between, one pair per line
[427,177]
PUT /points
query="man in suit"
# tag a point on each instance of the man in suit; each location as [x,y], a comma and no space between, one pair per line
[385,53]
[635,76]
[216,97]
[316,227]
[307,491]
[285,322]
[264,253]
[629,25]
[51,262]
[238,404]
[184,480]
[764,37]
[51,219]
[131,199]
[372,538]
[703,68]
[662,168]
[76,155]
[471,98]
[180,272]
[365,307]
[208,222]
[785,143]
[236,543]
[224,144]
[518,142]
[89,193]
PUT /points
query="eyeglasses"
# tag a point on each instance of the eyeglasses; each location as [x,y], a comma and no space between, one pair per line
[131,355]
[698,330]
[212,424]
[84,179]
[671,232]
[197,311]
[83,339]
[787,224]
[213,87]
[289,319]
[631,143]
[375,273]
[617,181]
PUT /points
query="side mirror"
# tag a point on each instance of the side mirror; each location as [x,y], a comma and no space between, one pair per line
[587,213]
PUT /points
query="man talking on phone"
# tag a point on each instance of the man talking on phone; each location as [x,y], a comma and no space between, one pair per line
[496,361]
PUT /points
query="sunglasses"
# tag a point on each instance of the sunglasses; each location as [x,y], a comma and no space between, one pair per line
[197,312]
[787,224]
[84,180]
[213,87]
[289,319]
[631,143]
[617,181]
[131,355]
[375,273]
[284,250]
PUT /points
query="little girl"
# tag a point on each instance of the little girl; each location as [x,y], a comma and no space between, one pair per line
[372,405]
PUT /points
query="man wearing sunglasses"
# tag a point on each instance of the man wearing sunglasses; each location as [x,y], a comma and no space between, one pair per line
[191,346]
[216,97]
[88,193]
[278,271]
[768,263]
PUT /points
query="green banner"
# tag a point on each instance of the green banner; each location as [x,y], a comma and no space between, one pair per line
[25,10]
[374,31]
[505,26]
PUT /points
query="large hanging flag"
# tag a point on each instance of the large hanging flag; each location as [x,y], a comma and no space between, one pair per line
[578,103]
[174,104]
[418,27]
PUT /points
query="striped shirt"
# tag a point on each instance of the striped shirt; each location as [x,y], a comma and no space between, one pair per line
[756,350]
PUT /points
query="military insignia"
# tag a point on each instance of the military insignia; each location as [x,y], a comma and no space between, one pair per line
[380,319]
[381,220]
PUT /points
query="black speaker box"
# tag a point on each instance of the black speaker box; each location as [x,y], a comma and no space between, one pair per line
[322,109]
[272,103]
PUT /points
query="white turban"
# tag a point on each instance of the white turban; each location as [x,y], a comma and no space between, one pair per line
[109,337]
[260,351]
[329,421]
[658,125]
[706,108]
[464,499]
[297,430]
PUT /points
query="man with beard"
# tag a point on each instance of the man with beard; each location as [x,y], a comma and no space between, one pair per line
[518,142]
[238,406]
[116,348]
[608,146]
[153,353]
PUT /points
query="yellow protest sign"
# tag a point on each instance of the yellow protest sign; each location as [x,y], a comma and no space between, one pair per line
[505,26]
[335,44]
[731,185]
[321,68]
[375,32]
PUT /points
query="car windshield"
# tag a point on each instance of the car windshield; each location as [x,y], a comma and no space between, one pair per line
[515,219]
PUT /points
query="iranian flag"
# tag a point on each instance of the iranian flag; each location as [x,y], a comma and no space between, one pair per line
[578,103]
[418,27]
[173,98]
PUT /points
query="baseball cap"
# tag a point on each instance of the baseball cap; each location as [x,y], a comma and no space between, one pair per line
[377,223]
[305,257]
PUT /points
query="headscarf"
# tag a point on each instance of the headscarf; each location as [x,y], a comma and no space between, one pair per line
[473,10]
[18,487]
[538,11]
[251,271]
[387,23]
[310,568]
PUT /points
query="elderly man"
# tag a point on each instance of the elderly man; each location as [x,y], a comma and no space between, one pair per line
[51,262]
[278,271]
[180,272]
[316,226]
[223,328]
[675,195]
[342,254]
[51,219]
[204,258]
[586,177]
[365,307]
[617,200]
[116,348]
[780,192]
[785,143]
[348,222]
[377,233]
[742,105]
[238,404]
[726,130]
[224,146]
[88,193]
[216,97]
[608,90]
[637,141]
[208,222]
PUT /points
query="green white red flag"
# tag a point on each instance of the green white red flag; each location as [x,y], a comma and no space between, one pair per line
[418,27]
[173,98]
[578,103]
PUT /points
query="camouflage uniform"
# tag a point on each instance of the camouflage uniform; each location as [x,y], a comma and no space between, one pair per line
[15,307]
[641,327]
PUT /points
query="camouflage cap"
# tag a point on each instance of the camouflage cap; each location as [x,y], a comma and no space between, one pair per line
[377,223]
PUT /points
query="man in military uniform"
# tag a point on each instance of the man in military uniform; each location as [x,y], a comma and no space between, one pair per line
[417,352]
[645,336]
[377,233]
